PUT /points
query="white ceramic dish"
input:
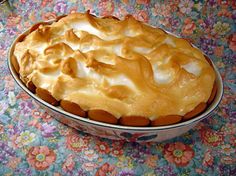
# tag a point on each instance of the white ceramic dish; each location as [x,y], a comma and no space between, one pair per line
[117,132]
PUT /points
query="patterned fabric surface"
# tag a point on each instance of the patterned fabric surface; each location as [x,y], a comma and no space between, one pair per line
[34,143]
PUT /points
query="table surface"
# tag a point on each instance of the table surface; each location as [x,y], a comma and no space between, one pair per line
[34,143]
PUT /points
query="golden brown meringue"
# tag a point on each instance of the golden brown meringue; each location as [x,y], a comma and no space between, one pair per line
[122,67]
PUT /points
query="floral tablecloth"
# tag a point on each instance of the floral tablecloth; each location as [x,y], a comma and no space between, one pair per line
[33,143]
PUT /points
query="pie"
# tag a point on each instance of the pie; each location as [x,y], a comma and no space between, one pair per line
[115,71]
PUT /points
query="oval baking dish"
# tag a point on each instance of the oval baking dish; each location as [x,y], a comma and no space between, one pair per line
[129,133]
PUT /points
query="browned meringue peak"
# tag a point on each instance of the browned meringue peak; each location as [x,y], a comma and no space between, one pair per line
[123,67]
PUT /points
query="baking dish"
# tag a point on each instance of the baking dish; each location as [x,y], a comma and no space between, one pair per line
[137,134]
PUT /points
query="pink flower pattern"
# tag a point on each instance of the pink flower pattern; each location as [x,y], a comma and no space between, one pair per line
[75,143]
[186,6]
[178,153]
[41,157]
[69,164]
[106,6]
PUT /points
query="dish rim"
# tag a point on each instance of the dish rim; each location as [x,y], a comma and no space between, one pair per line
[59,110]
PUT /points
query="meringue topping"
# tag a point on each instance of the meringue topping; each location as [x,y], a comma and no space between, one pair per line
[124,67]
